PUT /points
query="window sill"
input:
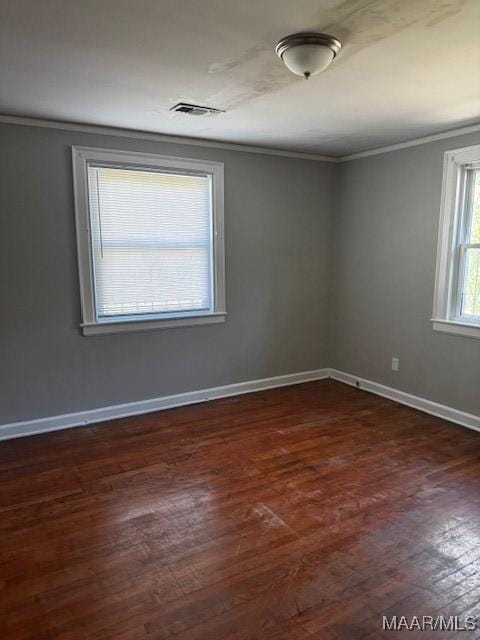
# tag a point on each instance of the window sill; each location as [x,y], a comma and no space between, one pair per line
[456,327]
[128,326]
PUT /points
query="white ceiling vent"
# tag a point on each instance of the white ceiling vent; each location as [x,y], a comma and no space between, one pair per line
[195,109]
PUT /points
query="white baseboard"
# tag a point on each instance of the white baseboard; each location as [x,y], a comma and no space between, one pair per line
[422,404]
[80,418]
[91,416]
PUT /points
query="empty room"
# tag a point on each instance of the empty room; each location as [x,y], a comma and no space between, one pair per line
[240,327]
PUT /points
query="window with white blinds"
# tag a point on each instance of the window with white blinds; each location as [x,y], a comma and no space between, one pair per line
[154,230]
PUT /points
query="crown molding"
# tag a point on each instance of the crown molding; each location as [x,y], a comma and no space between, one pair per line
[452,133]
[158,137]
[218,144]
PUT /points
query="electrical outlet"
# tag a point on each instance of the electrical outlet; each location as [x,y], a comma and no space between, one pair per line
[395,364]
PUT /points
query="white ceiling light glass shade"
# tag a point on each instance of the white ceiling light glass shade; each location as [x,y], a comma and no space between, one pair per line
[307,59]
[307,54]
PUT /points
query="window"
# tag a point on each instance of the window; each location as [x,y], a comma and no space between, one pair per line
[457,290]
[150,240]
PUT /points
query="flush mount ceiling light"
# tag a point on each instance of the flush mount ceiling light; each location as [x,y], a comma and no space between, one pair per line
[309,53]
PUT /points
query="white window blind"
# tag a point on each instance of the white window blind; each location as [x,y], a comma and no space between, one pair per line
[151,238]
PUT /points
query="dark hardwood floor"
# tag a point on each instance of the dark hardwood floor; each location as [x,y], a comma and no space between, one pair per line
[304,512]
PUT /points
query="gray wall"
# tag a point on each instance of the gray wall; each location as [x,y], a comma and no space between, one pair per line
[385,228]
[276,217]
[326,265]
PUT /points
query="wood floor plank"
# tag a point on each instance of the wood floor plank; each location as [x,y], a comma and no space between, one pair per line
[306,512]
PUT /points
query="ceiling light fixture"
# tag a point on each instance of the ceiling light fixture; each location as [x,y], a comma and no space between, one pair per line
[309,53]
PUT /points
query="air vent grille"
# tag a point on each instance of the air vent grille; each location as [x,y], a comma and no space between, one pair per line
[195,109]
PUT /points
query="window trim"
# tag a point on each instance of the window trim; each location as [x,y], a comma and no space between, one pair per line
[90,325]
[450,256]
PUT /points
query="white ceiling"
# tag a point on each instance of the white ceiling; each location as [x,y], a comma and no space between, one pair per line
[408,68]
